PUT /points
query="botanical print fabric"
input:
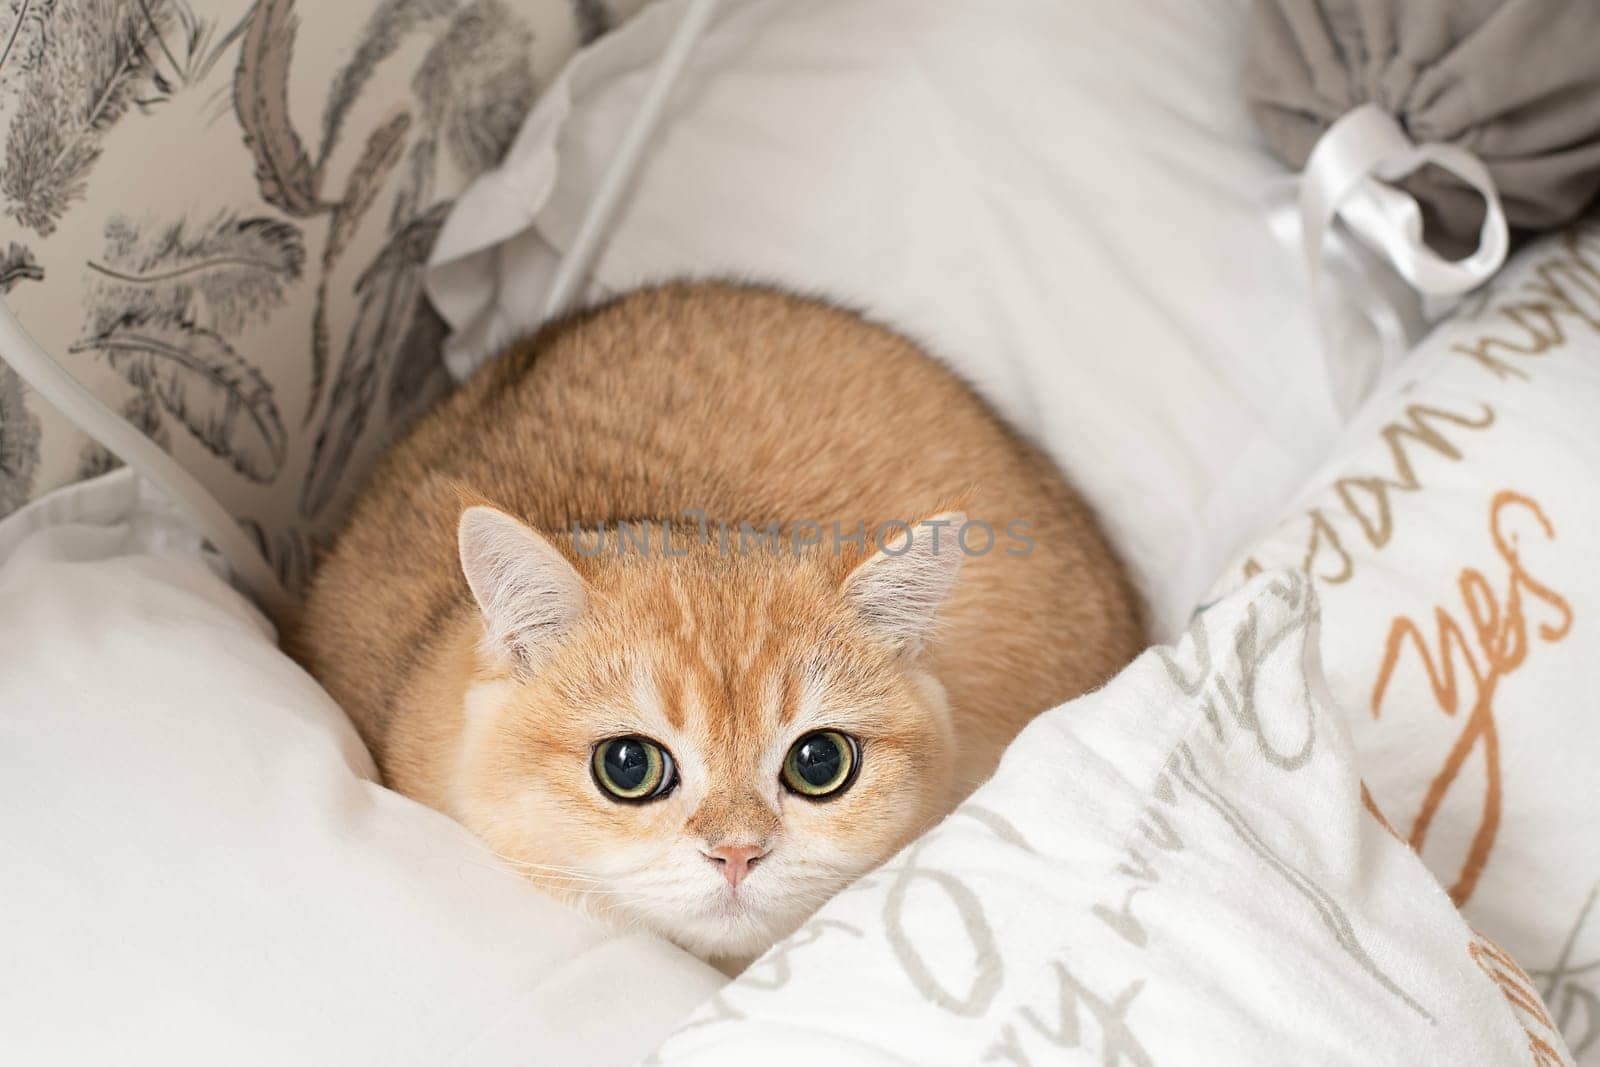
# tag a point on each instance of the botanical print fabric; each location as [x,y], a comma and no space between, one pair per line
[216,215]
[1176,869]
[1452,542]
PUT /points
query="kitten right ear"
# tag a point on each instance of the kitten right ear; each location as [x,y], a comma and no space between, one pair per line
[898,589]
[527,591]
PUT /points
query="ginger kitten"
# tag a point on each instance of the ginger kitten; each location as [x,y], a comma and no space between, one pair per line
[682,722]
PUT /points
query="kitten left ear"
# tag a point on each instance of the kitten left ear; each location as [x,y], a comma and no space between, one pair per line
[899,589]
[525,588]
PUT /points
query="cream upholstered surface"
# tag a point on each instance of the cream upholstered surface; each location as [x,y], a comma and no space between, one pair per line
[215,212]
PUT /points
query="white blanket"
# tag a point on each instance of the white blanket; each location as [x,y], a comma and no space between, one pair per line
[1177,869]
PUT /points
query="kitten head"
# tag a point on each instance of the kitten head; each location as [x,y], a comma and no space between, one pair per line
[707,745]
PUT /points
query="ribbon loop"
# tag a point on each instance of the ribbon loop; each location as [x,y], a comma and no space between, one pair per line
[1347,176]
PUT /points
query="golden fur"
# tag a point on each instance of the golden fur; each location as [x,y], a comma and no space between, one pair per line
[748,405]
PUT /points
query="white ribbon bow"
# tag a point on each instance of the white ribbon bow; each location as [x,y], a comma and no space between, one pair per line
[1346,177]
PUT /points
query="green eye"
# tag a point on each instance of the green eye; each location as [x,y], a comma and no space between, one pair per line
[821,764]
[633,768]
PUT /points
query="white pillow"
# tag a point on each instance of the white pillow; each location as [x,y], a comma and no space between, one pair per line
[198,867]
[1065,201]
[1177,868]
[1468,666]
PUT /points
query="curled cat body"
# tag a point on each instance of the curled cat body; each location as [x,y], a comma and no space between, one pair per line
[698,605]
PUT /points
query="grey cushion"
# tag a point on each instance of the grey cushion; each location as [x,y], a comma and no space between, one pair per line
[1516,82]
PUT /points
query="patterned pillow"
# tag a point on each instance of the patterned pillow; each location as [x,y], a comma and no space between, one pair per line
[1452,542]
[1177,868]
[217,215]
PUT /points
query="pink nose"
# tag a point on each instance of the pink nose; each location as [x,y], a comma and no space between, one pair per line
[735,860]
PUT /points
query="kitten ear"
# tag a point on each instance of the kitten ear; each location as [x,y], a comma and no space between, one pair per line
[899,588]
[526,589]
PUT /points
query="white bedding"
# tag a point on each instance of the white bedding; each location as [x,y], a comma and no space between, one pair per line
[1177,869]
[1452,536]
[198,867]
[1065,201]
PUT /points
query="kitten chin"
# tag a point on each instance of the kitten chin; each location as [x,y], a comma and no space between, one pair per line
[687,736]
